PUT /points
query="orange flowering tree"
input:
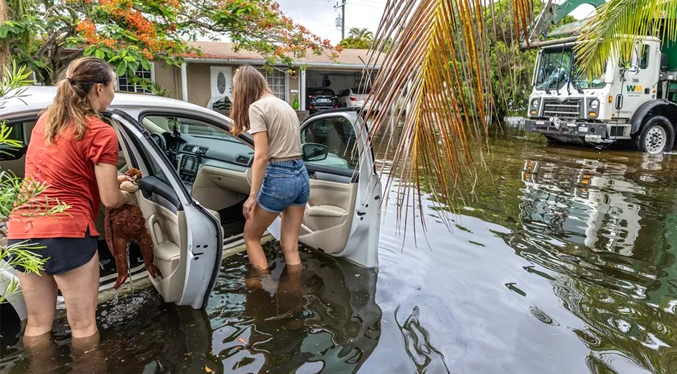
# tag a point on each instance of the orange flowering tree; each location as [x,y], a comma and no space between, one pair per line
[132,33]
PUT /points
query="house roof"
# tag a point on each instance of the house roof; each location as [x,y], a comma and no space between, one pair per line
[225,52]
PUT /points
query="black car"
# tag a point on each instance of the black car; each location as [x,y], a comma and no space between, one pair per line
[321,99]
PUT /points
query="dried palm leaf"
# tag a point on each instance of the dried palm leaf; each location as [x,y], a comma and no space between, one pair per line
[437,80]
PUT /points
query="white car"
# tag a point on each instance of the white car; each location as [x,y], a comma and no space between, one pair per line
[196,177]
[356,98]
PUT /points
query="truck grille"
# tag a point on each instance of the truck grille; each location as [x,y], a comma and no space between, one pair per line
[569,108]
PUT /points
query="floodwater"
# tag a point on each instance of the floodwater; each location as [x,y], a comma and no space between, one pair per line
[562,261]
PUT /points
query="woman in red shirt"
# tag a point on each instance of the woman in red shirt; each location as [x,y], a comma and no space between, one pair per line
[75,154]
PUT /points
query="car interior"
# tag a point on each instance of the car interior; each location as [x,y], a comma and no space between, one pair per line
[214,167]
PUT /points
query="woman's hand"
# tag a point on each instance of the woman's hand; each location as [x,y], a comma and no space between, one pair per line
[129,187]
[248,206]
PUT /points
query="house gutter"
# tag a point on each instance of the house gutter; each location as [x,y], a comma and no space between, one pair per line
[261,62]
[184,82]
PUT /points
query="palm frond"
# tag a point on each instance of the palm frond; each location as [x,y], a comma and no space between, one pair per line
[436,80]
[616,27]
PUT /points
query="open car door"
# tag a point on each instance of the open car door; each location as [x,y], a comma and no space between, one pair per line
[343,215]
[186,237]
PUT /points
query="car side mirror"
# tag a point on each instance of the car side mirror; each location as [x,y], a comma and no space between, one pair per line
[314,152]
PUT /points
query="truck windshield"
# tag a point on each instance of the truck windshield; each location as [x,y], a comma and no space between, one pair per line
[555,68]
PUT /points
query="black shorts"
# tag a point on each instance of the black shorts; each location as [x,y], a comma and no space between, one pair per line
[63,254]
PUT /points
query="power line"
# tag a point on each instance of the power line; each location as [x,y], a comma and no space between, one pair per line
[365,5]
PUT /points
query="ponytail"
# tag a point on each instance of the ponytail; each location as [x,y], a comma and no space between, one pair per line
[72,104]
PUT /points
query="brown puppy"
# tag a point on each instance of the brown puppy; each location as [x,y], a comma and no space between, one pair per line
[123,225]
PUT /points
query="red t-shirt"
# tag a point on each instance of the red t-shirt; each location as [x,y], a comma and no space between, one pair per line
[67,168]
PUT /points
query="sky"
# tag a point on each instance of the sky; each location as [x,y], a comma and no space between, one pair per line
[319,16]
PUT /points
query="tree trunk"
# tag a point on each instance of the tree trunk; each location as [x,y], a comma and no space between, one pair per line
[5,56]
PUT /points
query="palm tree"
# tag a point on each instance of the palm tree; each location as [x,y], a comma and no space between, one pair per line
[361,34]
[624,17]
[12,10]
[438,70]
[4,45]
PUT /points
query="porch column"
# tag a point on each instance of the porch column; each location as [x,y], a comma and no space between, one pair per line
[184,82]
[302,90]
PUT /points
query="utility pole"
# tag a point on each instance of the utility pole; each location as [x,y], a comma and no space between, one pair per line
[342,18]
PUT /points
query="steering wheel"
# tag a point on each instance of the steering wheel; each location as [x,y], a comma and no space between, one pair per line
[160,141]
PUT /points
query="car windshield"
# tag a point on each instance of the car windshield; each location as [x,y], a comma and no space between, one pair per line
[360,90]
[556,66]
[190,127]
[323,92]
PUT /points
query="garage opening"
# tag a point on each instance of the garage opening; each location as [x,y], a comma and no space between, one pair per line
[327,89]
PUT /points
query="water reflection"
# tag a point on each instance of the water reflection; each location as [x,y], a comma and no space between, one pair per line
[603,227]
[418,346]
[564,260]
[295,320]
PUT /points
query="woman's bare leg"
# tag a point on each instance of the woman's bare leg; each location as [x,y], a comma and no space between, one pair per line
[289,232]
[80,289]
[42,353]
[253,231]
[87,355]
[39,292]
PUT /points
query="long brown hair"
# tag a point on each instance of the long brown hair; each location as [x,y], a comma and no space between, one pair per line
[248,86]
[71,103]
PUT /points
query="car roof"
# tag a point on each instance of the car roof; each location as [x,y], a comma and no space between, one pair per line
[36,98]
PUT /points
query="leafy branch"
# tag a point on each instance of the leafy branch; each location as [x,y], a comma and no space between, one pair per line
[21,196]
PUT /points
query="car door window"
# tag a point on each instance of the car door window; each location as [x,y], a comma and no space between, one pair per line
[338,135]
[16,131]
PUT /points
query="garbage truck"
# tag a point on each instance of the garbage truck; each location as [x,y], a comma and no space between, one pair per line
[632,102]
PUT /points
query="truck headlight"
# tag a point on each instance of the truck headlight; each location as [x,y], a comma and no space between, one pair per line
[534,103]
[594,104]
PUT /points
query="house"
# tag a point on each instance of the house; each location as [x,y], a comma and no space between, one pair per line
[207,79]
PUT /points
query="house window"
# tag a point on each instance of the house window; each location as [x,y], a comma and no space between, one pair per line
[126,84]
[276,81]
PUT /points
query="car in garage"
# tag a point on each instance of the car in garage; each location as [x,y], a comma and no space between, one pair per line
[320,99]
[352,97]
[197,175]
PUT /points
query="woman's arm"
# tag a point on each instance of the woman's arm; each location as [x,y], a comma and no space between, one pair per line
[258,170]
[109,187]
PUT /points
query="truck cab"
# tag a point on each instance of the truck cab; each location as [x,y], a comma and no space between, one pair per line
[631,101]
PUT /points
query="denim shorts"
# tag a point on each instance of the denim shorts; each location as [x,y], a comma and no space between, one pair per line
[285,183]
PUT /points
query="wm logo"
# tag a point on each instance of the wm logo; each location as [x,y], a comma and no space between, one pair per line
[635,88]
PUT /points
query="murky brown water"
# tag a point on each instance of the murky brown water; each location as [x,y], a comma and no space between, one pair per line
[564,261]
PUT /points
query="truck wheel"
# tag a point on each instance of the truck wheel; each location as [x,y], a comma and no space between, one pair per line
[656,137]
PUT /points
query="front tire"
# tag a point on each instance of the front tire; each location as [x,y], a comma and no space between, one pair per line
[657,136]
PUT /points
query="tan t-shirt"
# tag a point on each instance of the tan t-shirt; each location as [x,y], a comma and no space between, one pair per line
[282,124]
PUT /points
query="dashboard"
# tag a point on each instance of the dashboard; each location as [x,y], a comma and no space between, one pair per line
[189,152]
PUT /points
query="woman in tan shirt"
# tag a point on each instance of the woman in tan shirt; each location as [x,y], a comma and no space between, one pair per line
[280,183]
